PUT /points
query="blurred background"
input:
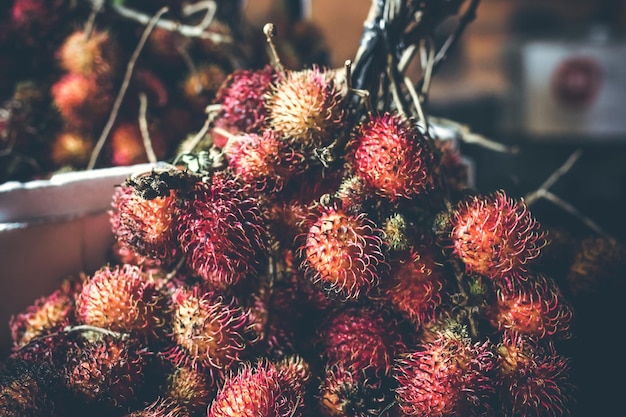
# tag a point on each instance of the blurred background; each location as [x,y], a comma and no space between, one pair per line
[546,76]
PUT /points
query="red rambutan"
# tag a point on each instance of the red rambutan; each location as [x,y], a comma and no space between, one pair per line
[361,339]
[121,299]
[208,329]
[534,307]
[342,252]
[222,232]
[448,377]
[495,235]
[532,379]
[96,54]
[127,144]
[392,157]
[242,96]
[81,100]
[306,108]
[415,284]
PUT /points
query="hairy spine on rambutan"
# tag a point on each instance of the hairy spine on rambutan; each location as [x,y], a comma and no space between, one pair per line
[148,226]
[208,330]
[306,108]
[106,370]
[256,391]
[242,97]
[121,299]
[362,339]
[342,252]
[222,232]
[532,378]
[495,236]
[263,161]
[415,284]
[448,377]
[161,407]
[534,307]
[189,387]
[392,157]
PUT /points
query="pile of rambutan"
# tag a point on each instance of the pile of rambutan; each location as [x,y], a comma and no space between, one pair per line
[317,253]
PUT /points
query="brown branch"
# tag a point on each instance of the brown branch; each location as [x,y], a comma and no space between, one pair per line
[96,7]
[552,179]
[143,128]
[558,201]
[126,81]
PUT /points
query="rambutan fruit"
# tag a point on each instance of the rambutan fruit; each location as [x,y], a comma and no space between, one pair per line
[96,54]
[201,86]
[208,329]
[263,161]
[242,96]
[189,387]
[161,407]
[415,284]
[145,220]
[222,232]
[30,389]
[306,108]
[597,268]
[72,148]
[342,252]
[46,315]
[344,392]
[448,377]
[361,339]
[127,144]
[107,370]
[121,299]
[81,100]
[392,156]
[532,378]
[495,236]
[256,391]
[534,307]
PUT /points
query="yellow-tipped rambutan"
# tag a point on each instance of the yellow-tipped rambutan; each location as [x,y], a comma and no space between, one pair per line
[532,378]
[208,329]
[161,407]
[88,55]
[72,148]
[392,156]
[121,299]
[306,108]
[342,252]
[190,387]
[495,236]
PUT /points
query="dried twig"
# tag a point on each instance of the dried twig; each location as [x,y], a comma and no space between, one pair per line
[195,31]
[88,328]
[553,198]
[126,81]
[191,145]
[552,179]
[466,19]
[143,127]
[96,7]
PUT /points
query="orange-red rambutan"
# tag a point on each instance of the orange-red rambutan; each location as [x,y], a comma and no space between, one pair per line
[306,108]
[495,236]
[448,377]
[392,156]
[222,232]
[208,330]
[72,148]
[342,252]
[532,378]
[189,387]
[82,101]
[122,299]
[534,307]
[127,144]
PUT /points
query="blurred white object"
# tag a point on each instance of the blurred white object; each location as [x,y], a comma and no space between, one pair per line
[51,229]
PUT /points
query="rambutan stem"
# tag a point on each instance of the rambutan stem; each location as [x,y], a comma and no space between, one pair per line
[143,128]
[122,92]
[211,111]
[96,7]
[88,328]
[270,32]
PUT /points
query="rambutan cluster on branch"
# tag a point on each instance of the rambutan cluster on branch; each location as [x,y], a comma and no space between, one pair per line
[316,252]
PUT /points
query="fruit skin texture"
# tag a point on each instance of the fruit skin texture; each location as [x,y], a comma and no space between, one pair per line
[342,252]
[258,391]
[306,108]
[208,329]
[534,307]
[392,157]
[147,226]
[121,299]
[495,236]
[222,232]
[448,377]
[533,380]
[361,339]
